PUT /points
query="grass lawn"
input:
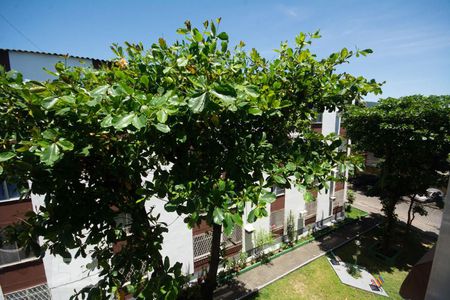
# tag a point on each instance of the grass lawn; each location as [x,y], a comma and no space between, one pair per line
[355,213]
[317,280]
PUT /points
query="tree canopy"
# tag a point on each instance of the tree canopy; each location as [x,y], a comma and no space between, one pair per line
[206,127]
[411,135]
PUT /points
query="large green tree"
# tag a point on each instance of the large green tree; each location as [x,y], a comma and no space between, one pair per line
[411,135]
[217,127]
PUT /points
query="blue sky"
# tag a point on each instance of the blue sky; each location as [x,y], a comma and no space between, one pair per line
[410,39]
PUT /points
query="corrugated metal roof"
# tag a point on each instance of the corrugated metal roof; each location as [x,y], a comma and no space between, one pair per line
[49,53]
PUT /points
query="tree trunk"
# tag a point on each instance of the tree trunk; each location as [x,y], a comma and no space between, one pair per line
[210,283]
[389,210]
[410,214]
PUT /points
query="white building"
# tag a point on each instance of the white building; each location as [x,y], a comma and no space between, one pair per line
[188,246]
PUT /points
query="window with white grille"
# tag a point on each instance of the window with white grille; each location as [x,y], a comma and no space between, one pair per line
[202,242]
[234,238]
[40,292]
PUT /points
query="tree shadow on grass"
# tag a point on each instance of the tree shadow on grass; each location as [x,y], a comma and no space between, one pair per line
[234,289]
[410,249]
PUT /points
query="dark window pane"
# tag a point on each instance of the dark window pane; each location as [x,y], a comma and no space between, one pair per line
[2,191]
[278,191]
[23,255]
[12,190]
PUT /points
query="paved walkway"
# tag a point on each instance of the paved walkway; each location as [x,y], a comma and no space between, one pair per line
[429,223]
[257,278]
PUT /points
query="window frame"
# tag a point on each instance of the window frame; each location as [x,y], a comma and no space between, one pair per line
[278,194]
[31,257]
[6,191]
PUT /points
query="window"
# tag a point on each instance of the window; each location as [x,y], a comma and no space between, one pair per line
[278,191]
[124,221]
[318,119]
[311,208]
[8,191]
[277,216]
[10,254]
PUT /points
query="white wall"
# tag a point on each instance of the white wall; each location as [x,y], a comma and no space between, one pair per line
[323,205]
[323,198]
[178,243]
[63,278]
[258,225]
[31,64]
[329,123]
[293,202]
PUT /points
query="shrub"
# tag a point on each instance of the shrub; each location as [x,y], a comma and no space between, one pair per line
[242,259]
[291,227]
[351,196]
[353,270]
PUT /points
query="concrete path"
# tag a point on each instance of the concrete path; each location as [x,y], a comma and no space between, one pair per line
[257,278]
[430,222]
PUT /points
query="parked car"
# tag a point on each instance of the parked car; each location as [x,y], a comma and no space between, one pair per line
[431,195]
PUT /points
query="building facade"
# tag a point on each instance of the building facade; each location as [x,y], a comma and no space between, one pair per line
[51,277]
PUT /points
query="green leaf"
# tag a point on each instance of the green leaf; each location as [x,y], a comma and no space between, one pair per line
[308,197]
[162,127]
[139,121]
[170,207]
[290,166]
[182,31]
[1,170]
[228,224]
[182,61]
[50,154]
[223,36]
[101,90]
[197,35]
[123,121]
[344,53]
[107,121]
[65,145]
[166,263]
[144,79]
[49,134]
[85,150]
[251,91]
[197,104]
[62,111]
[365,52]
[252,215]
[49,102]
[255,111]
[161,116]
[222,185]
[4,156]
[237,218]
[68,99]
[225,98]
[268,197]
[279,179]
[218,216]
